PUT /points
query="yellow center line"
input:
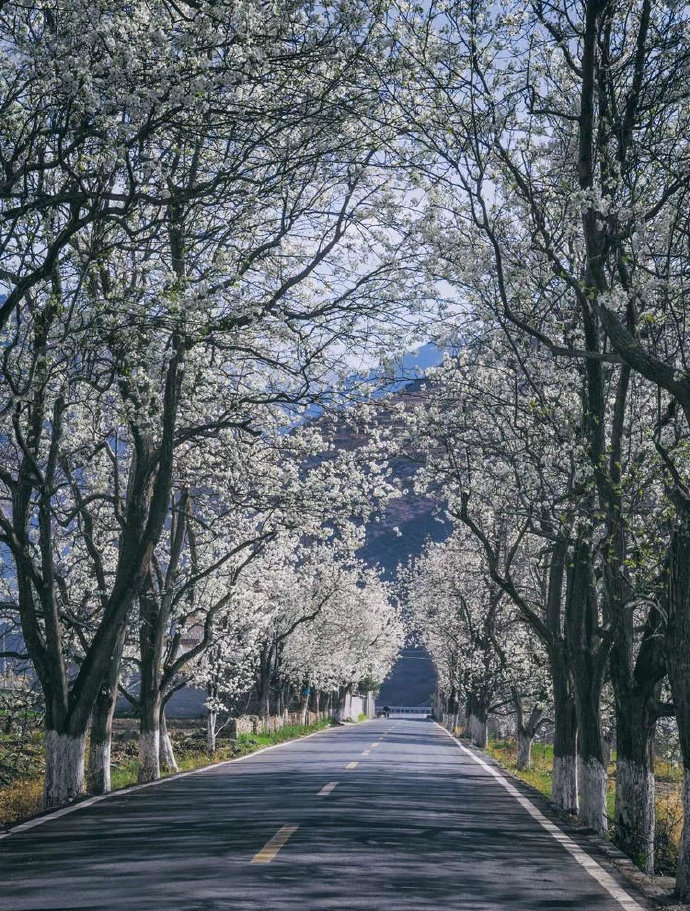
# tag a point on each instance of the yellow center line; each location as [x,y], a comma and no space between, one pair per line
[327,788]
[273,845]
[351,765]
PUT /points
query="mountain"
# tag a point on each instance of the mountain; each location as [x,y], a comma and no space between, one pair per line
[400,534]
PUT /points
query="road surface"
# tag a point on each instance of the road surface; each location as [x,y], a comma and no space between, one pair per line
[381,816]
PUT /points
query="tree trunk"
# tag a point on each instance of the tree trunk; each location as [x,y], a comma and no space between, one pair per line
[304,704]
[635,811]
[478,731]
[524,752]
[592,779]
[678,656]
[478,716]
[266,711]
[526,730]
[149,742]
[167,754]
[211,721]
[150,650]
[564,790]
[64,776]
[265,690]
[683,873]
[587,660]
[636,685]
[287,698]
[453,712]
[564,774]
[98,773]
[591,771]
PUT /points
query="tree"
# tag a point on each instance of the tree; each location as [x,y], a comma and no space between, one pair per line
[551,156]
[483,652]
[301,616]
[458,612]
[356,635]
[183,312]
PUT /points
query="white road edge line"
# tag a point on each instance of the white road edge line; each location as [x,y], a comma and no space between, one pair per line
[122,792]
[595,870]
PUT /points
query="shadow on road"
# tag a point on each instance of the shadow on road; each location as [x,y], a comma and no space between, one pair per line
[414,827]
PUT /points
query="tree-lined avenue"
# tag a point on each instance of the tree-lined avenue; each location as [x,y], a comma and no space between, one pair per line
[417,825]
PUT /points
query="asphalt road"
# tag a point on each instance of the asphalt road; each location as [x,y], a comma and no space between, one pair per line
[414,823]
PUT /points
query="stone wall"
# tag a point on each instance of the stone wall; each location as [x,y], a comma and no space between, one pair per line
[253,724]
[369,708]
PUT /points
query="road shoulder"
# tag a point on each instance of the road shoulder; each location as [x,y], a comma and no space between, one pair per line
[642,890]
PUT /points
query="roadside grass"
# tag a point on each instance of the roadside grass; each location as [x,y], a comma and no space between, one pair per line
[538,776]
[21,774]
[669,825]
[669,803]
[22,797]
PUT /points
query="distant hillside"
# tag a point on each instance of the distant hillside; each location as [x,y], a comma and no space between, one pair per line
[413,679]
[411,682]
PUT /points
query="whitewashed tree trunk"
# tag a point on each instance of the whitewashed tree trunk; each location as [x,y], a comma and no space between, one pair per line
[64,777]
[101,733]
[591,778]
[304,706]
[564,787]
[635,812]
[149,755]
[98,765]
[564,775]
[211,720]
[167,754]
